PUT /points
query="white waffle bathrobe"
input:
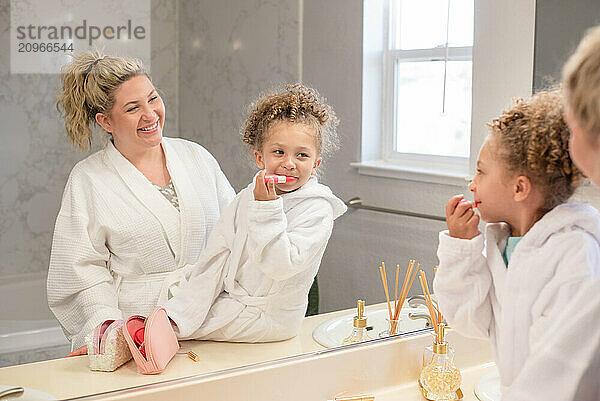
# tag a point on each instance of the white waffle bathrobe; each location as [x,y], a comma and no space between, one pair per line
[259,264]
[515,307]
[119,244]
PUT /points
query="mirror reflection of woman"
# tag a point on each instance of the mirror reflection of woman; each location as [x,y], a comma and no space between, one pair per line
[135,215]
[567,367]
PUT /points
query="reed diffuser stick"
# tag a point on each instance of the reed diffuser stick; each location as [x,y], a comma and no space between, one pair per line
[430,306]
[405,282]
[385,288]
[439,317]
[410,275]
[396,291]
[406,285]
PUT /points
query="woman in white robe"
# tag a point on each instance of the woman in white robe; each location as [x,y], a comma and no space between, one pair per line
[119,243]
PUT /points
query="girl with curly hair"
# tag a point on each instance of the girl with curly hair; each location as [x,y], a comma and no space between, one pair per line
[567,367]
[510,284]
[253,279]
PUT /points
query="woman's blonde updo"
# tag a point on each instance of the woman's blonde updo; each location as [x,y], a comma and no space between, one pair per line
[581,80]
[295,103]
[88,87]
[532,139]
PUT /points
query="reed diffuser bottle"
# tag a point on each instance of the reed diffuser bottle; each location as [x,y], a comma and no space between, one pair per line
[393,320]
[359,331]
[440,378]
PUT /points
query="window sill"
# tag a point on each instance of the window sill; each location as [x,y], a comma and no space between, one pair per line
[378,168]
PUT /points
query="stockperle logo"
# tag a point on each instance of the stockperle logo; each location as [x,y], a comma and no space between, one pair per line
[44,32]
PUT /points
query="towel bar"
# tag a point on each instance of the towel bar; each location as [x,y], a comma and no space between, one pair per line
[356,203]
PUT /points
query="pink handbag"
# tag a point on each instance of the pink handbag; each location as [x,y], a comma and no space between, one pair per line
[107,348]
[152,341]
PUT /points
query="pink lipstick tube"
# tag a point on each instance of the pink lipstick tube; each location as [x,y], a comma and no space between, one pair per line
[279,179]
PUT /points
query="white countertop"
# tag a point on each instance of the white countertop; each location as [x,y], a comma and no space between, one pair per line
[70,377]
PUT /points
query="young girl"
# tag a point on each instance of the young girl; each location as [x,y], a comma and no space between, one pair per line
[264,252]
[511,284]
[567,367]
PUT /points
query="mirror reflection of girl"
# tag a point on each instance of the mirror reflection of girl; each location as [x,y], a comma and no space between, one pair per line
[253,279]
[567,367]
[510,284]
[135,214]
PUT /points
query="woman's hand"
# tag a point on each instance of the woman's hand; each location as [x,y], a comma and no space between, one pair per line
[461,219]
[262,191]
[78,351]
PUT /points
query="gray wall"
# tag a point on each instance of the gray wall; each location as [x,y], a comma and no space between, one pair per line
[35,156]
[559,27]
[229,52]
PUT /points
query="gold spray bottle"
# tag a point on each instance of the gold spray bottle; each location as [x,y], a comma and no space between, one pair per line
[359,331]
[440,378]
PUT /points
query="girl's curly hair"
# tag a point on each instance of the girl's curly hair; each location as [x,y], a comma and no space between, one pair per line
[533,140]
[295,103]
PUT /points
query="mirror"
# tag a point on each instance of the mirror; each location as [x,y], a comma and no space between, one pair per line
[210,59]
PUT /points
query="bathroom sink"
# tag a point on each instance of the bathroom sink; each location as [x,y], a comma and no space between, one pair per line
[488,387]
[332,332]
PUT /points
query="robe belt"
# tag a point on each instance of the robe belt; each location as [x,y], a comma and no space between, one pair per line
[266,303]
[170,281]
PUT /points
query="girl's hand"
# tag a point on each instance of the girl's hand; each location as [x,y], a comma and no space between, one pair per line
[78,351]
[262,191]
[461,219]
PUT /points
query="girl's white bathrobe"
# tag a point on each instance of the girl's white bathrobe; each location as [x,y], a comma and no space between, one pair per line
[567,366]
[119,244]
[258,267]
[515,306]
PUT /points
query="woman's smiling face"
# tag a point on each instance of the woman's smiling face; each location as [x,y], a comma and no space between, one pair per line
[137,117]
[289,149]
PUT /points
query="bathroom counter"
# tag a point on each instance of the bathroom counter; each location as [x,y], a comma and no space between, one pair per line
[412,392]
[70,377]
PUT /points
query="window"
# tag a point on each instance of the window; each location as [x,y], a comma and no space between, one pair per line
[427,82]
[423,115]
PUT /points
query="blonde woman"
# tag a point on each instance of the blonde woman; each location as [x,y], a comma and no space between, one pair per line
[567,365]
[135,215]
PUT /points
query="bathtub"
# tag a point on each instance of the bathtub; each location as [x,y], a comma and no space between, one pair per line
[27,326]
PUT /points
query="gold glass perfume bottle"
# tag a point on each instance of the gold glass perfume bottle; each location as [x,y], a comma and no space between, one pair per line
[440,378]
[359,331]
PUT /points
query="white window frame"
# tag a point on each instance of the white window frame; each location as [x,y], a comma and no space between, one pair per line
[502,70]
[457,165]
